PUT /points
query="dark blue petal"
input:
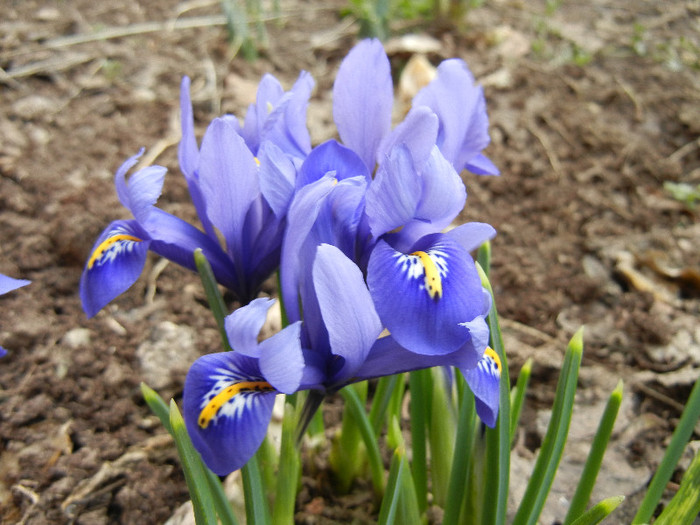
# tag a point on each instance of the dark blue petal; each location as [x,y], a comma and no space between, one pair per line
[116,261]
[425,297]
[227,406]
[346,306]
[7,284]
[363,96]
[484,382]
[331,157]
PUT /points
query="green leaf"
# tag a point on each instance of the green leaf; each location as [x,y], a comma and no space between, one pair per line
[595,456]
[599,512]
[419,383]
[211,289]
[685,505]
[680,437]
[157,406]
[554,440]
[256,507]
[518,397]
[195,476]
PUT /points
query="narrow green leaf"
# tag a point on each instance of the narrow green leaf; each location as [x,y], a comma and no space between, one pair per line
[289,467]
[595,456]
[555,438]
[196,479]
[419,386]
[458,484]
[483,257]
[599,512]
[380,401]
[352,400]
[211,289]
[518,397]
[157,406]
[390,501]
[441,436]
[256,507]
[685,505]
[348,457]
[680,437]
[498,439]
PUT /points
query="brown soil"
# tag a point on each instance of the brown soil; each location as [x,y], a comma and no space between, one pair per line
[593,107]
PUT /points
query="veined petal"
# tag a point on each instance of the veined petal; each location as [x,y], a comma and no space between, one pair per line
[143,188]
[331,157]
[363,96]
[472,234]
[444,193]
[418,132]
[244,324]
[393,195]
[228,178]
[346,306]
[227,406]
[277,177]
[7,284]
[188,152]
[484,382]
[282,360]
[461,108]
[424,297]
[116,261]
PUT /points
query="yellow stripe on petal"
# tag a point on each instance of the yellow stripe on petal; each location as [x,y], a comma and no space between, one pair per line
[108,244]
[433,281]
[490,352]
[209,412]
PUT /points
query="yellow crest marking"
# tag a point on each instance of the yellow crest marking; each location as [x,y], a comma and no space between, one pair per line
[209,412]
[433,281]
[106,245]
[490,352]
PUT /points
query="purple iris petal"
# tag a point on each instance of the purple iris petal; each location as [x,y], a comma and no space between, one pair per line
[418,132]
[363,96]
[282,360]
[393,196]
[226,437]
[424,297]
[7,284]
[484,380]
[228,177]
[277,177]
[116,261]
[244,324]
[346,306]
[461,108]
[472,234]
[140,193]
[331,157]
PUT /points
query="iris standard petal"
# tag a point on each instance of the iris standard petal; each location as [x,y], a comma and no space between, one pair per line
[244,324]
[227,406]
[282,360]
[443,194]
[363,96]
[331,157]
[418,132]
[394,194]
[140,193]
[472,234]
[188,152]
[7,284]
[461,108]
[277,177]
[228,178]
[424,297]
[116,261]
[346,306]
[484,382]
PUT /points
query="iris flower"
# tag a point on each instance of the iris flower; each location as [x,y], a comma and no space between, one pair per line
[7,284]
[238,196]
[228,396]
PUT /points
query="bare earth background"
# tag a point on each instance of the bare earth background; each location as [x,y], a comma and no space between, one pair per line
[593,106]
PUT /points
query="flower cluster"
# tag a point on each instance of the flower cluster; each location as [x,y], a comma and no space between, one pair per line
[371,283]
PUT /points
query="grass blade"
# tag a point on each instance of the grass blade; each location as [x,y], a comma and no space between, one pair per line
[680,437]
[599,512]
[211,289]
[595,456]
[256,507]
[419,387]
[557,432]
[685,505]
[518,397]
[197,482]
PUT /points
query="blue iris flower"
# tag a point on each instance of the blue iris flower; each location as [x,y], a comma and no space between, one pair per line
[240,181]
[228,396]
[7,284]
